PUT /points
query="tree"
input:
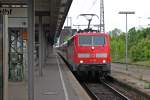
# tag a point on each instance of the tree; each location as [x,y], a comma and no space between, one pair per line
[115,32]
[117,44]
[138,45]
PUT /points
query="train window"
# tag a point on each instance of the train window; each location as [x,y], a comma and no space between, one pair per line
[91,40]
[85,40]
[98,40]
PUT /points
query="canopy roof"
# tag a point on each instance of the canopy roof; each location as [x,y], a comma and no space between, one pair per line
[55,12]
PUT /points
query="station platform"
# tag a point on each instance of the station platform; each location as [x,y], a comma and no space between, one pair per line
[56,83]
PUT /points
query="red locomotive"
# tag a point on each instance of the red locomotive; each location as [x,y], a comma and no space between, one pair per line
[88,52]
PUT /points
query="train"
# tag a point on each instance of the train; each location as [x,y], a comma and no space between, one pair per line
[88,53]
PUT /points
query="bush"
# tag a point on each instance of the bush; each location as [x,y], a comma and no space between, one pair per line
[140,51]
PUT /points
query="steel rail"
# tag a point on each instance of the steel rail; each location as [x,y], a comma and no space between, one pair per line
[92,94]
[130,88]
[95,97]
[115,91]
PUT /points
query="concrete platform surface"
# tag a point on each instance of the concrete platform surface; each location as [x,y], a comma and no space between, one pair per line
[57,83]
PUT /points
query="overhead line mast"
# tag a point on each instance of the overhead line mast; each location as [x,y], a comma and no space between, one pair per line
[102,24]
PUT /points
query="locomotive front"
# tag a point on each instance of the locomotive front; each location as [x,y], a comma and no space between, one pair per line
[92,52]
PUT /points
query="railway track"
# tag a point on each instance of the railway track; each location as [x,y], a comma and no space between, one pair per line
[113,90]
[103,91]
[129,91]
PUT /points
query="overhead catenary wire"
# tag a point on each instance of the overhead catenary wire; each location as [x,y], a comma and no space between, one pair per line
[93,4]
[89,7]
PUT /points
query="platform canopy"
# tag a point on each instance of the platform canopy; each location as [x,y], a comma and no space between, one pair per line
[54,11]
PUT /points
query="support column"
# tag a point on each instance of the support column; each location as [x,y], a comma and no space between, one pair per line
[46,48]
[5,57]
[40,46]
[30,49]
[43,48]
[45,42]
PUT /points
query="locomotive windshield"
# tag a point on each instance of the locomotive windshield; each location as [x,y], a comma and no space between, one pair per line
[91,40]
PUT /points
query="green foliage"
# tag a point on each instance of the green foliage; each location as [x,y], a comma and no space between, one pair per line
[117,45]
[138,45]
[141,51]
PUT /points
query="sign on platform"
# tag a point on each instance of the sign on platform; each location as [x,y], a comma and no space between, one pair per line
[5,11]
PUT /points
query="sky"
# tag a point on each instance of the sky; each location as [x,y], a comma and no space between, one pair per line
[111,16]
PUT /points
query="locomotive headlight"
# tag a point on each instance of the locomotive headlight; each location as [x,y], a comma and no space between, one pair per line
[93,48]
[104,61]
[81,61]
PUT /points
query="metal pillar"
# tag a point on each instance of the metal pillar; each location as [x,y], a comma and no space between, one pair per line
[30,49]
[1,57]
[44,48]
[40,46]
[126,45]
[43,38]
[69,19]
[5,57]
[102,24]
